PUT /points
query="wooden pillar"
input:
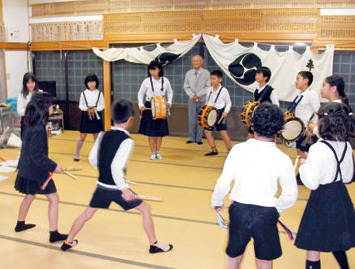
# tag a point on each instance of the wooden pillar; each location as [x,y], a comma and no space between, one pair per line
[107,94]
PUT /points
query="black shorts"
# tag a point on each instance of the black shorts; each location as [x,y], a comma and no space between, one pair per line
[103,197]
[257,222]
[221,126]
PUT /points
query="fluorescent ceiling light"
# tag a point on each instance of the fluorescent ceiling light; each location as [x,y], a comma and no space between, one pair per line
[337,11]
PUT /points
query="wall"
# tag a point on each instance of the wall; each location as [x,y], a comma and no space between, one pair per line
[15,14]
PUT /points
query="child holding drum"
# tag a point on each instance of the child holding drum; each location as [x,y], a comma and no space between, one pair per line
[157,90]
[218,97]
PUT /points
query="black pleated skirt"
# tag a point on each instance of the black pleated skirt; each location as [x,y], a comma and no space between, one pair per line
[328,222]
[150,127]
[92,126]
[27,186]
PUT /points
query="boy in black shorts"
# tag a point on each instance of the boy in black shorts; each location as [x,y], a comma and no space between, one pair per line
[110,155]
[218,97]
[256,166]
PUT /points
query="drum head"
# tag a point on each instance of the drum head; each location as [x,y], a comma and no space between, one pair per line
[212,118]
[293,128]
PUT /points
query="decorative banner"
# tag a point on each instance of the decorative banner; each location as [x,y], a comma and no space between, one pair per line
[139,55]
[240,64]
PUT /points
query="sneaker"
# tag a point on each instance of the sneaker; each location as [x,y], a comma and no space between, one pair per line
[158,156]
[189,142]
[212,153]
[66,245]
[159,247]
[152,157]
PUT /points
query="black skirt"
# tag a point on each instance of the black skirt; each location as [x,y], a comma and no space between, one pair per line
[150,127]
[92,126]
[328,222]
[27,186]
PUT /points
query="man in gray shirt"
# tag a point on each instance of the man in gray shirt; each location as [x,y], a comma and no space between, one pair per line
[197,81]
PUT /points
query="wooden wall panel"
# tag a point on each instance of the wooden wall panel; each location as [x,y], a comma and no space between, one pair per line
[336,27]
[248,22]
[128,6]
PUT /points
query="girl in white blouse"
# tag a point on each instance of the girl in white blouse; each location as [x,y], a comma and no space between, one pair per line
[29,86]
[91,104]
[328,222]
[155,129]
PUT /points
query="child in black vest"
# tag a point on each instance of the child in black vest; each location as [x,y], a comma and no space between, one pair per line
[110,155]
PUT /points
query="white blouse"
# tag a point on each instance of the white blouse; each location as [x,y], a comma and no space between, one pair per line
[146,90]
[22,102]
[223,101]
[321,165]
[91,97]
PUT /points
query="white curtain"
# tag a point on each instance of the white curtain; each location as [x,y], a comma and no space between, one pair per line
[141,56]
[240,63]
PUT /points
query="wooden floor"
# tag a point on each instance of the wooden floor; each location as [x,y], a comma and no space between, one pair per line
[185,178]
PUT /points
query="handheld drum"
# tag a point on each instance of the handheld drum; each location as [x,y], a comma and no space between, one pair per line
[207,116]
[159,107]
[293,128]
[247,111]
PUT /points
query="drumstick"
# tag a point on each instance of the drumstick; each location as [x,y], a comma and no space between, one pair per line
[69,174]
[2,159]
[296,161]
[97,115]
[46,182]
[4,133]
[221,119]
[73,168]
[131,182]
[150,198]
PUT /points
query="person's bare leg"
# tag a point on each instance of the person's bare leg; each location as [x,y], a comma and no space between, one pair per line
[79,223]
[152,143]
[233,263]
[158,140]
[53,200]
[263,264]
[148,224]
[24,207]
[226,139]
[210,138]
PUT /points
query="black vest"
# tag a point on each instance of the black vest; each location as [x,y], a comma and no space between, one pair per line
[265,94]
[109,145]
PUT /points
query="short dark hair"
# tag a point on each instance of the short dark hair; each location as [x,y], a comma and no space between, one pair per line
[26,77]
[217,73]
[267,120]
[121,110]
[37,110]
[338,82]
[307,75]
[265,71]
[91,77]
[155,64]
[336,122]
